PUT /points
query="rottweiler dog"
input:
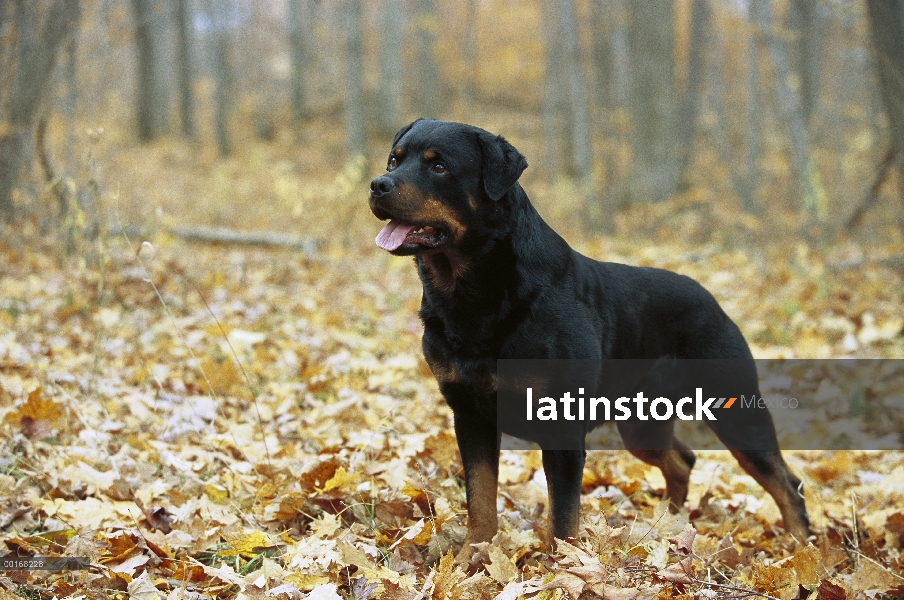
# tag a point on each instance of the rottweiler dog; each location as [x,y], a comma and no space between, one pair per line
[499,283]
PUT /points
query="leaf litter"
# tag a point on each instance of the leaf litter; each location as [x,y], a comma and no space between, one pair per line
[204,422]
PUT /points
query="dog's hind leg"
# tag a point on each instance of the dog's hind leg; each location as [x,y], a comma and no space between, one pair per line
[750,435]
[675,465]
[655,444]
[769,469]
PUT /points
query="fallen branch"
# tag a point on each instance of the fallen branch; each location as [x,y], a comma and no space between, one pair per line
[223,235]
[744,591]
[847,265]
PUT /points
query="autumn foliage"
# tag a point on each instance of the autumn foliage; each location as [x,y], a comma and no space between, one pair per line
[222,421]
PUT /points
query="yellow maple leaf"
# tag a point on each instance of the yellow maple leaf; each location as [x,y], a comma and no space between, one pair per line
[413,492]
[447,578]
[245,544]
[425,534]
[38,407]
[419,533]
[340,478]
[805,563]
[501,568]
[224,376]
[217,493]
[418,496]
[306,582]
[325,526]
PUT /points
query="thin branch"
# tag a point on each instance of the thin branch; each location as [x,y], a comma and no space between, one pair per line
[872,193]
[734,589]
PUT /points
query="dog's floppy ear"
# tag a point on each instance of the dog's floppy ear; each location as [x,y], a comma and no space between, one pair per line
[502,164]
[403,131]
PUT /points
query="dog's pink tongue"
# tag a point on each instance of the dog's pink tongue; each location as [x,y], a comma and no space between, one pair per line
[393,235]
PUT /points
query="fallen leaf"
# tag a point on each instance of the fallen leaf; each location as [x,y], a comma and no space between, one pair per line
[143,589]
[447,578]
[680,572]
[684,541]
[246,544]
[500,566]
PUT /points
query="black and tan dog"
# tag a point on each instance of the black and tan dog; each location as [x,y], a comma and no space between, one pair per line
[500,283]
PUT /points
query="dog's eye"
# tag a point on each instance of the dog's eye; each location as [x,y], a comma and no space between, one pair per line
[439,168]
[392,163]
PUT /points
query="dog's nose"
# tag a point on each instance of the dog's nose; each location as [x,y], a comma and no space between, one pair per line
[381,186]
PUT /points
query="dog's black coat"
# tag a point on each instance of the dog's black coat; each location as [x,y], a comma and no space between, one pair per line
[500,283]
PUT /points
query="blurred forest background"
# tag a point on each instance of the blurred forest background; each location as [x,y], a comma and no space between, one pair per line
[770,118]
[211,379]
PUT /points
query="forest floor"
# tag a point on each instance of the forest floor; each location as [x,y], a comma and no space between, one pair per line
[222,421]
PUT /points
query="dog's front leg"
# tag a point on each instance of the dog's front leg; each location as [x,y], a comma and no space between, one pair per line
[479,447]
[564,470]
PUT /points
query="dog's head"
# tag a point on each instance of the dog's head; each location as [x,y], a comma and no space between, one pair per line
[444,182]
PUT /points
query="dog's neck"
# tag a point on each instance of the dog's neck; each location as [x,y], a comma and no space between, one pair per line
[480,289]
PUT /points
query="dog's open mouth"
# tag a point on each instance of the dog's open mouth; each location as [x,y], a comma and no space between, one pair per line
[396,234]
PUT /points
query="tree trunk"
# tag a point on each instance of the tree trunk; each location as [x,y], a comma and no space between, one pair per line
[223,71]
[354,74]
[656,114]
[700,19]
[427,94]
[723,132]
[469,51]
[71,101]
[887,27]
[619,170]
[183,60]
[607,27]
[392,27]
[299,19]
[147,94]
[805,174]
[621,54]
[223,92]
[601,55]
[579,130]
[30,84]
[749,183]
[805,27]
[554,101]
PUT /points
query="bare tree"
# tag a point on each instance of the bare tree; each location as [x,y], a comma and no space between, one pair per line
[469,50]
[69,107]
[299,53]
[887,27]
[607,27]
[555,101]
[354,74]
[392,26]
[149,101]
[790,102]
[579,130]
[427,94]
[690,108]
[36,58]
[804,25]
[184,71]
[617,132]
[748,184]
[621,54]
[220,14]
[656,127]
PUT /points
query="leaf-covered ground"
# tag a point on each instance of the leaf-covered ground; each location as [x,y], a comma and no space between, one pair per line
[206,421]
